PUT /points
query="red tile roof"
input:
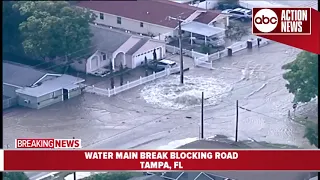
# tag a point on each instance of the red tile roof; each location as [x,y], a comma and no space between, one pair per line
[151,11]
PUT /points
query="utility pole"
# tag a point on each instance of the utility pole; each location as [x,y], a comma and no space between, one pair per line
[202,120]
[74,174]
[180,46]
[237,120]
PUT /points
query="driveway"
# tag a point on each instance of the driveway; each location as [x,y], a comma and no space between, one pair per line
[135,119]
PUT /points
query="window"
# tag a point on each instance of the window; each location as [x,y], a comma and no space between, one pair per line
[101,16]
[141,24]
[118,20]
[104,57]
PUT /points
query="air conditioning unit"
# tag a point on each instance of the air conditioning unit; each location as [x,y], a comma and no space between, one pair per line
[27,101]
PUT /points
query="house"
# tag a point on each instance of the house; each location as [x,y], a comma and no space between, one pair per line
[36,89]
[118,48]
[227,175]
[149,17]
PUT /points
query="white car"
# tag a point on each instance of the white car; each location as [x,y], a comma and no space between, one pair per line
[166,63]
[239,13]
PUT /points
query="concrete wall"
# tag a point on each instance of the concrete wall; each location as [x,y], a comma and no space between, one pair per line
[131,24]
[9,91]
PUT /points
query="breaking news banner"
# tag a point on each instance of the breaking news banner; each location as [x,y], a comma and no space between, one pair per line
[297,27]
[162,160]
[48,143]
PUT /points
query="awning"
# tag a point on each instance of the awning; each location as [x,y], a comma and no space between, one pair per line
[201,29]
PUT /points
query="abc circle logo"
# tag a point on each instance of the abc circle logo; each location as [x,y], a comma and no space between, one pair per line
[265,20]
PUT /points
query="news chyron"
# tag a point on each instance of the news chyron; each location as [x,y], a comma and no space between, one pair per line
[281,21]
[48,144]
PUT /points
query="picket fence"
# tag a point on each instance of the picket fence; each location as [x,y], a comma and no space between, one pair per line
[206,61]
[132,84]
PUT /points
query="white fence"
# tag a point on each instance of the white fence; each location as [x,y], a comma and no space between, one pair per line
[176,50]
[206,61]
[133,84]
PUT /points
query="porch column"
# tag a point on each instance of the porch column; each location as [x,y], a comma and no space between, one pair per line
[205,40]
[112,63]
[191,39]
[124,60]
[227,21]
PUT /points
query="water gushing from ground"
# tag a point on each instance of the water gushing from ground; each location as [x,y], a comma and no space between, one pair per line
[169,93]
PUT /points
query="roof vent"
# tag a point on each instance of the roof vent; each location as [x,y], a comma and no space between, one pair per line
[147,12]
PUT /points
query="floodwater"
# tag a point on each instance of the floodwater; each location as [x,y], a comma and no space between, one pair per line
[137,119]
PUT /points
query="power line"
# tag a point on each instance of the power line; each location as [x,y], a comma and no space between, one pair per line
[155,119]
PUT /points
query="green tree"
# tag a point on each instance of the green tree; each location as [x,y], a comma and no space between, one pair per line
[110,176]
[11,37]
[302,76]
[14,176]
[311,133]
[54,28]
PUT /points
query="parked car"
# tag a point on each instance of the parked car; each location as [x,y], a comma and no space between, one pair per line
[161,65]
[239,14]
[211,42]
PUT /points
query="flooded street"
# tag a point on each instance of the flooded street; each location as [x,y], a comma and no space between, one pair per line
[156,114]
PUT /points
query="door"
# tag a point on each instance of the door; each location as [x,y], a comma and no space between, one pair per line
[65,94]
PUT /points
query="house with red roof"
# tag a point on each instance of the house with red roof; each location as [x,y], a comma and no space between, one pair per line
[148,17]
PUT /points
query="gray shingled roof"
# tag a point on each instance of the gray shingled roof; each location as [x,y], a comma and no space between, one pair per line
[107,40]
[137,46]
[20,75]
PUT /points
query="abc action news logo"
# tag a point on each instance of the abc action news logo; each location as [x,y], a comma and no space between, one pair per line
[281,21]
[48,143]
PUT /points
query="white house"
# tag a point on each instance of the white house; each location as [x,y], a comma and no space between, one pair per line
[118,48]
[148,17]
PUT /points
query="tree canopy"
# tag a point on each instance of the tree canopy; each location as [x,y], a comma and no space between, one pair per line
[302,76]
[14,176]
[49,29]
[311,133]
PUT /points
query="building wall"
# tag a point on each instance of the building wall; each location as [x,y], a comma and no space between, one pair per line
[131,24]
[90,66]
[79,65]
[75,92]
[45,100]
[40,102]
[9,91]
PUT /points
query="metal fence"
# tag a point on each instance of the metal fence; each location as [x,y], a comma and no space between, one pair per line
[7,103]
[132,84]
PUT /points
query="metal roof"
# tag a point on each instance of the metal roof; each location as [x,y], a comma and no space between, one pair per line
[63,82]
[201,29]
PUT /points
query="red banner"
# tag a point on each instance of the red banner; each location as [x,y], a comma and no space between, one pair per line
[286,19]
[150,160]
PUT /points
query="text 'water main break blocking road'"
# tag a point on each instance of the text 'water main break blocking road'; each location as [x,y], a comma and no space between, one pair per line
[281,21]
